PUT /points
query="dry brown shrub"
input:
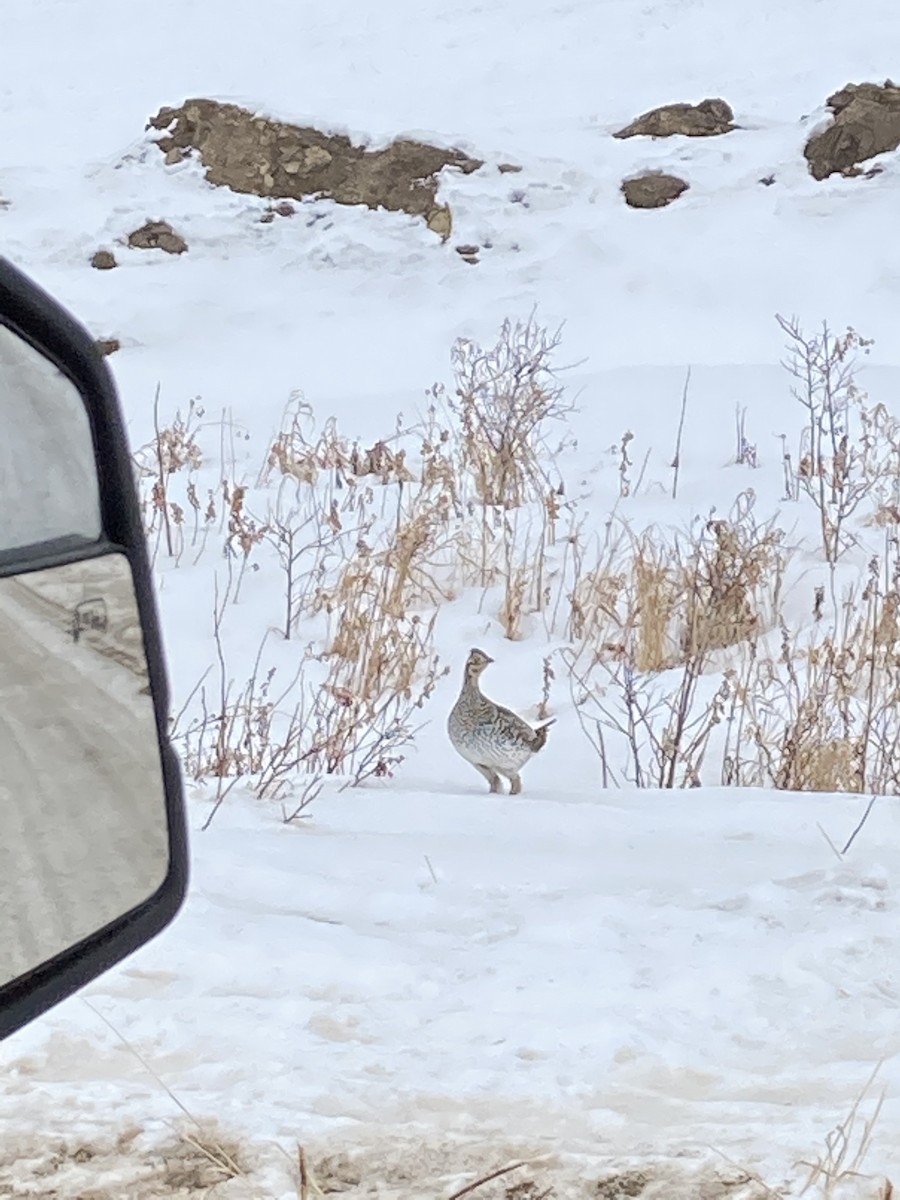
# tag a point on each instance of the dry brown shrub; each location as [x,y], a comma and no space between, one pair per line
[293,454]
[388,465]
[824,714]
[403,572]
[381,609]
[308,542]
[887,630]
[174,449]
[245,533]
[352,718]
[824,717]
[724,583]
[524,571]
[671,606]
[593,608]
[440,462]
[849,453]
[663,601]
[829,767]
[302,452]
[653,602]
[372,549]
[504,398]
[596,575]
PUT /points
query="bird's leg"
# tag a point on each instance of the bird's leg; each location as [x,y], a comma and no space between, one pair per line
[515,784]
[491,776]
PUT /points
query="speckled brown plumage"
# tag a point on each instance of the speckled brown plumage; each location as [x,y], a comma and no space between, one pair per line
[496,741]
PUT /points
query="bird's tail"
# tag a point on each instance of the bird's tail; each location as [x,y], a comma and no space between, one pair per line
[540,735]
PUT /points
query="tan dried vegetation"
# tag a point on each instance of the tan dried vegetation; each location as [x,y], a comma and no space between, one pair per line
[678,654]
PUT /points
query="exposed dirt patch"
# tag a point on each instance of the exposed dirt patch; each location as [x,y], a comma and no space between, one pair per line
[709,118]
[183,1168]
[623,1186]
[866,123]
[107,346]
[528,1190]
[387,1164]
[441,1169]
[252,154]
[157,235]
[654,189]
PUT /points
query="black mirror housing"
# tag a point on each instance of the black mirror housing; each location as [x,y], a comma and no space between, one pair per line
[76,583]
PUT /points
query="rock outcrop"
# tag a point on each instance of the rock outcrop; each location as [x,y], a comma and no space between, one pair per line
[866,123]
[706,119]
[253,154]
[157,235]
[654,189]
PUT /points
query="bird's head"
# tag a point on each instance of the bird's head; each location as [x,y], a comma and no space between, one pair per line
[475,664]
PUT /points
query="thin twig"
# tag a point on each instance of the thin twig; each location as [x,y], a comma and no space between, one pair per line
[175,722]
[471,1187]
[227,1161]
[106,1021]
[837,853]
[832,1166]
[774,1193]
[862,821]
[304,1175]
[676,461]
[222,791]
[163,474]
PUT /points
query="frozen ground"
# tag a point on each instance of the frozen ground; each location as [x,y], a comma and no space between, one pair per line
[434,978]
[627,978]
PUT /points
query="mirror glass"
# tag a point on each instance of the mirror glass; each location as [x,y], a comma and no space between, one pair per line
[47,469]
[82,806]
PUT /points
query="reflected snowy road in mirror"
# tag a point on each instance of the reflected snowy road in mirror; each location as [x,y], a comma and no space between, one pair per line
[81,791]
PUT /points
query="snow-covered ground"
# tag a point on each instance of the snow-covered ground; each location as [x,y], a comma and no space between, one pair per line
[420,972]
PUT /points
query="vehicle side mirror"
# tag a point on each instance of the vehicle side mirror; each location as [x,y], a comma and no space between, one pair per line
[93,849]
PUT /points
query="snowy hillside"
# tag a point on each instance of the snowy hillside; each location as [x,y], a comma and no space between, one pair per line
[632,988]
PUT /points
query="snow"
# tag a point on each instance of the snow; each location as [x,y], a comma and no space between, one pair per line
[613,976]
[627,976]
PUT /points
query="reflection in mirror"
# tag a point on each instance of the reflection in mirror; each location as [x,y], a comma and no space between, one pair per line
[82,804]
[47,469]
